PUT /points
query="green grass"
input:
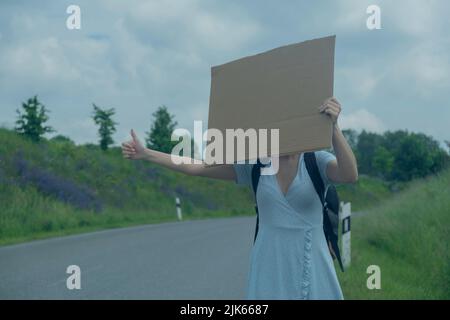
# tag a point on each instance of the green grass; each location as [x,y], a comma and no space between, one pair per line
[365,193]
[30,216]
[408,237]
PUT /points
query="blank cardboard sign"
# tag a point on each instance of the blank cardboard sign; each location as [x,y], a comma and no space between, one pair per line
[281,88]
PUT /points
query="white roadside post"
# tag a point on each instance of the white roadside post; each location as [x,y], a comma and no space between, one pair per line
[177,202]
[344,216]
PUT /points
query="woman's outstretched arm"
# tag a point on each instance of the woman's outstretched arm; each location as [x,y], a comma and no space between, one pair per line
[344,169]
[134,150]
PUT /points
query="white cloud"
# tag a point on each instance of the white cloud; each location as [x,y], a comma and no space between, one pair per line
[361,119]
[416,18]
[44,59]
[426,66]
[360,80]
[192,26]
[84,129]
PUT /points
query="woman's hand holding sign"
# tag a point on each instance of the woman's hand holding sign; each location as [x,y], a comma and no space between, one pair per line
[344,168]
[331,107]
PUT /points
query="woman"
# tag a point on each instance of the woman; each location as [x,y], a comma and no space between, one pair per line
[290,258]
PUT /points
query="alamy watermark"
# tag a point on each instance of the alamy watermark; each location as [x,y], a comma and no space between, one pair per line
[374,280]
[219,152]
[374,20]
[74,280]
[73,21]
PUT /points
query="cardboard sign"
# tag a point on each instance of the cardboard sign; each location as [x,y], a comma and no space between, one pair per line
[281,88]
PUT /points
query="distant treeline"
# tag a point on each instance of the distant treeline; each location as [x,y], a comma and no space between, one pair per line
[397,155]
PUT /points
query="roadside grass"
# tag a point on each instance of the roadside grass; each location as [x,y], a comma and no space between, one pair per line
[367,192]
[30,216]
[408,237]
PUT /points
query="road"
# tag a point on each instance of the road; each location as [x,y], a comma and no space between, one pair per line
[202,259]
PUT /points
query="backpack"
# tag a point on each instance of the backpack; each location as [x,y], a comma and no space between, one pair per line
[329,199]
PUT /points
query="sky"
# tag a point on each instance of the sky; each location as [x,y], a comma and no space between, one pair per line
[137,55]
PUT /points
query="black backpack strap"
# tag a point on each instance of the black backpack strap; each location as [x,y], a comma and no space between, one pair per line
[256,174]
[314,174]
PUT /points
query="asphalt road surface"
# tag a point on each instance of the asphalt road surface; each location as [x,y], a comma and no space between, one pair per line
[203,259]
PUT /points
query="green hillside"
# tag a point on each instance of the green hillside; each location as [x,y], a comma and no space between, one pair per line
[56,188]
[59,188]
[408,237]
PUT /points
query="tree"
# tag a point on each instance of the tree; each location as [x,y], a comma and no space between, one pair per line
[366,146]
[31,122]
[62,139]
[383,162]
[397,155]
[161,131]
[418,155]
[393,139]
[103,118]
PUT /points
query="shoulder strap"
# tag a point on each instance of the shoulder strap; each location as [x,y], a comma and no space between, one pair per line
[256,174]
[314,174]
[313,171]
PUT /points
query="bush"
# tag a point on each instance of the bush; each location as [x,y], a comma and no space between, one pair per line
[52,185]
[399,155]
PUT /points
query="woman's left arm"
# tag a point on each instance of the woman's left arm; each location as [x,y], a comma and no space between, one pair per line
[344,168]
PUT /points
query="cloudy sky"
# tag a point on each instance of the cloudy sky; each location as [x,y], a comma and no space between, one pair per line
[136,55]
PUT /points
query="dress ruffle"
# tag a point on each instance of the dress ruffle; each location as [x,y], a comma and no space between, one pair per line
[306,277]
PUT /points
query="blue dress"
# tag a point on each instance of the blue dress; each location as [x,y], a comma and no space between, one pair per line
[290,258]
